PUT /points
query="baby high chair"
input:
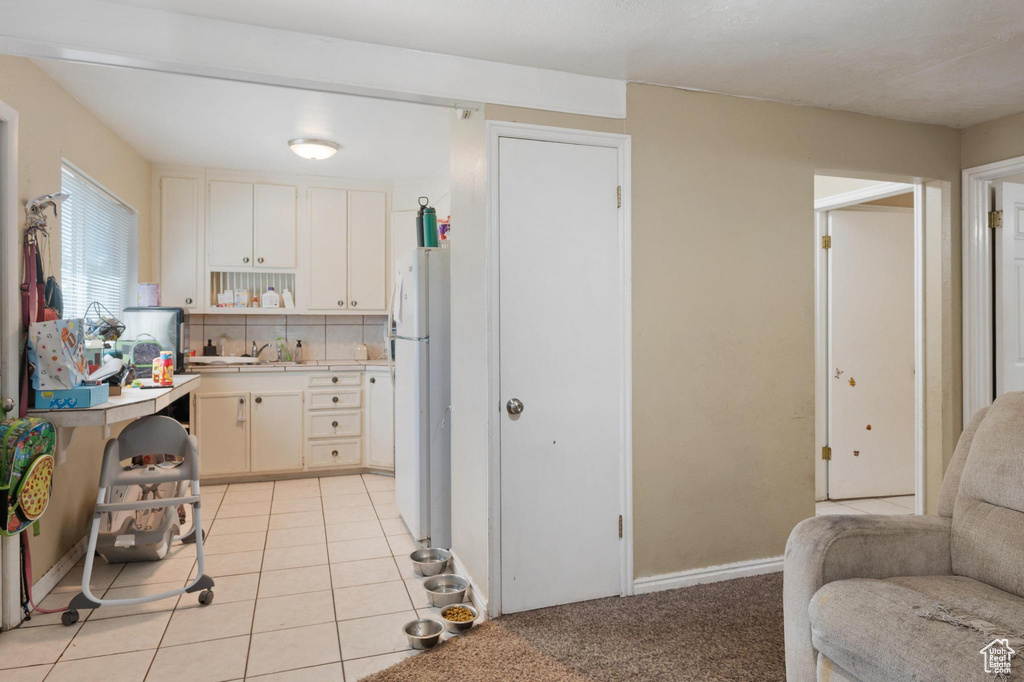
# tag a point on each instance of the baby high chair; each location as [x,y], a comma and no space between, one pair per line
[146,534]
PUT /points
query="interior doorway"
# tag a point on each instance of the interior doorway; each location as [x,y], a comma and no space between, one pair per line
[868,325]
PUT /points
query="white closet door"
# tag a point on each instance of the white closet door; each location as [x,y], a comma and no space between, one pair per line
[871,316]
[562,356]
[1010,289]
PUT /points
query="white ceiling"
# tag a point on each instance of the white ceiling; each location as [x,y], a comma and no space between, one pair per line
[955,62]
[187,120]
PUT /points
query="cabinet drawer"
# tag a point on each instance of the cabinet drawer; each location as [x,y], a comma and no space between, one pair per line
[335,379]
[339,399]
[334,424]
[335,453]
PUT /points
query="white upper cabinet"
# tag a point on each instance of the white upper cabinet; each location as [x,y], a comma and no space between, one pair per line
[367,248]
[274,226]
[328,249]
[180,283]
[229,224]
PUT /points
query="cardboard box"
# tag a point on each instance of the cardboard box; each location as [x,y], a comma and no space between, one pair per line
[71,398]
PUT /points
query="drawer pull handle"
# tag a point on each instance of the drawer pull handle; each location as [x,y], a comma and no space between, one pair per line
[334,424]
[334,453]
[334,380]
[334,399]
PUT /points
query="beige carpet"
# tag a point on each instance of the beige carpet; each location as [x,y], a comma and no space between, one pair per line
[728,631]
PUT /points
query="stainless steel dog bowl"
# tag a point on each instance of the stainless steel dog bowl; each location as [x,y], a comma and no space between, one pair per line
[459,626]
[445,590]
[427,562]
[423,633]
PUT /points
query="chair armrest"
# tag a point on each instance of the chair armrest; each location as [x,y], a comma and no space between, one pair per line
[824,549]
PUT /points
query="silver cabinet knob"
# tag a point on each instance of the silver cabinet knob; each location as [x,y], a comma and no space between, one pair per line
[188,301]
[241,401]
[334,453]
[334,424]
[260,259]
[334,399]
[259,400]
[341,304]
[353,304]
[7,404]
[245,259]
[514,406]
[334,380]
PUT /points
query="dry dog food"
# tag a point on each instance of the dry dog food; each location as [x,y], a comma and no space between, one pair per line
[458,614]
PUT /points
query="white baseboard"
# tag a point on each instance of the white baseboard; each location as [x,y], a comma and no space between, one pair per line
[711,574]
[475,596]
[49,580]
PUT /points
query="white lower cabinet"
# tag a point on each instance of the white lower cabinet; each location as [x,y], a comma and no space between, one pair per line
[276,418]
[291,421]
[221,422]
[380,415]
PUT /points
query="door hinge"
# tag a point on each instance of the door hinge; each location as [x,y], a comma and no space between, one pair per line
[618,196]
[826,452]
[826,242]
[620,525]
[995,219]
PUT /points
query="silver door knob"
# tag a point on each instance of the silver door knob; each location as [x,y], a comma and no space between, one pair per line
[514,406]
[7,404]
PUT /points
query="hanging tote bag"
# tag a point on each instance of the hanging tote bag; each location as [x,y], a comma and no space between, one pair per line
[57,351]
[26,471]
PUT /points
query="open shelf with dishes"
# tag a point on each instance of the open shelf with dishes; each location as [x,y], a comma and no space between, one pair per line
[246,292]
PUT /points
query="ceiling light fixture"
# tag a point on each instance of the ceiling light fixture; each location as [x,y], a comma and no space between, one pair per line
[312,149]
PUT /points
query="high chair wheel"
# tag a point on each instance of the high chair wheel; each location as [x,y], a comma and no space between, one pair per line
[205,598]
[69,617]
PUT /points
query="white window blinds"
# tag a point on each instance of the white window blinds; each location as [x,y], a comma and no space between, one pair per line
[99,247]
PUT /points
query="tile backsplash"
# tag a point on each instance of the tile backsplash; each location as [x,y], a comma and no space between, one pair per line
[324,337]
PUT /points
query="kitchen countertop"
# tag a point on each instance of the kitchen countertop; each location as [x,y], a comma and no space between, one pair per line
[308,366]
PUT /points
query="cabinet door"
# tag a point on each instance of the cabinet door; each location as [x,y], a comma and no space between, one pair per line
[328,249]
[274,232]
[380,411]
[223,432]
[367,243]
[277,431]
[179,243]
[229,224]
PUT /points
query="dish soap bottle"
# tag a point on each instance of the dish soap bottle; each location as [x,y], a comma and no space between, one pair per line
[297,355]
[271,299]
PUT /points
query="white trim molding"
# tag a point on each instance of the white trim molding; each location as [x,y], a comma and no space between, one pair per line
[97,32]
[494,131]
[979,357]
[711,574]
[882,190]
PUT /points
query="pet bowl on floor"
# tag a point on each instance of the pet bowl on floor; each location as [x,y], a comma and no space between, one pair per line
[445,590]
[423,633]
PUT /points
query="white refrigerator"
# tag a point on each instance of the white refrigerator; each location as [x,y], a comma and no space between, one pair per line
[420,311]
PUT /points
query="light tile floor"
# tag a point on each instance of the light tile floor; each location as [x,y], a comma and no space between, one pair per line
[904,504]
[313,583]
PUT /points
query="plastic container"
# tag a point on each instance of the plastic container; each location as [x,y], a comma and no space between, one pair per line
[289,300]
[163,369]
[271,299]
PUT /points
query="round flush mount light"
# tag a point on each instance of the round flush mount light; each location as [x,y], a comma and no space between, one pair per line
[312,149]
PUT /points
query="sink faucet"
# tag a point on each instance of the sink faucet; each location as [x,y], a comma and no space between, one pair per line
[256,351]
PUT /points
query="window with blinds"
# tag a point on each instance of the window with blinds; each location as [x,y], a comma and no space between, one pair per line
[99,247]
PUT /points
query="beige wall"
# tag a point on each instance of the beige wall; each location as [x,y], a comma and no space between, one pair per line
[996,140]
[723,315]
[52,126]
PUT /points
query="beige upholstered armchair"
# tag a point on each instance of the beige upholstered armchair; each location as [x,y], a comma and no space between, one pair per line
[893,598]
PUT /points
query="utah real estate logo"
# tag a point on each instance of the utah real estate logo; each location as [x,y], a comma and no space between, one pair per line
[997,657]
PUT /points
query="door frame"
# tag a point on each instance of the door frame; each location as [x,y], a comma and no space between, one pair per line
[494,131]
[10,337]
[822,339]
[979,280]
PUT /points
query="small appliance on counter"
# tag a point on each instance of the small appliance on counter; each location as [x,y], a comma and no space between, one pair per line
[161,326]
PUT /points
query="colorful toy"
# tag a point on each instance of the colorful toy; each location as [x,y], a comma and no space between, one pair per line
[26,471]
